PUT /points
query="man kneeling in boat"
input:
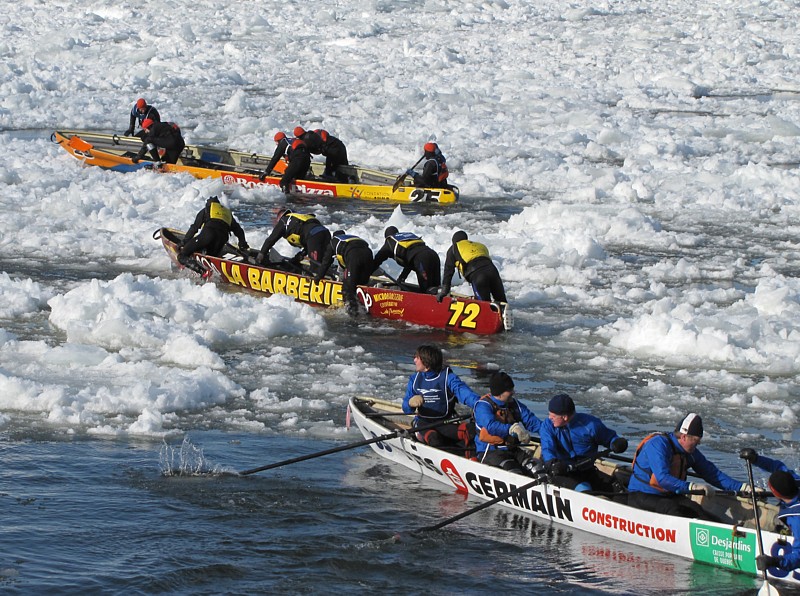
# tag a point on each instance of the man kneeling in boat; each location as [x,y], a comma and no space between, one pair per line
[785,485]
[473,262]
[161,135]
[215,222]
[660,467]
[303,231]
[355,261]
[502,423]
[569,444]
[431,394]
[412,254]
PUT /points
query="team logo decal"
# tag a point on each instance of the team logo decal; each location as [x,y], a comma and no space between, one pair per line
[452,473]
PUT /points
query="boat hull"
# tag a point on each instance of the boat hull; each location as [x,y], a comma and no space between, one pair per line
[113,152]
[731,547]
[459,314]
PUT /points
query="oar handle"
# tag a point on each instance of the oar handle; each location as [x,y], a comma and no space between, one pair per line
[402,176]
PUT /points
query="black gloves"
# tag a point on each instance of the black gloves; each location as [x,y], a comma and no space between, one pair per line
[764,562]
[261,258]
[295,260]
[135,159]
[442,293]
[749,455]
[619,444]
[243,247]
[558,467]
[129,132]
[261,178]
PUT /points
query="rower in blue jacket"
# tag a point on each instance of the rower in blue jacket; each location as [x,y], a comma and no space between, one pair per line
[570,441]
[661,464]
[431,394]
[501,424]
[785,485]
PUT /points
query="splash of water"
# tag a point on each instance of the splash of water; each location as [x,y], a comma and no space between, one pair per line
[186,460]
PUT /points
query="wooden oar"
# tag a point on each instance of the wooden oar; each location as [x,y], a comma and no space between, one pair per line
[385,437]
[502,497]
[401,178]
[767,589]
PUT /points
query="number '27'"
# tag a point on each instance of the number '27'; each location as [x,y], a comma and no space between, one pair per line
[464,314]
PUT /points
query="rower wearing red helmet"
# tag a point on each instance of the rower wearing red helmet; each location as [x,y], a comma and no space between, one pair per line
[434,168]
[299,164]
[140,112]
[335,154]
[310,137]
[283,143]
[161,135]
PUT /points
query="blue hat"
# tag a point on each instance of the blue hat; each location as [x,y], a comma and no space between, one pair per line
[561,405]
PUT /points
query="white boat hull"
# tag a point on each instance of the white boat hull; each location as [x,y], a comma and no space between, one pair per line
[732,547]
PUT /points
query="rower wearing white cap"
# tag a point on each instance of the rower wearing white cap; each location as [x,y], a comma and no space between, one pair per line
[660,466]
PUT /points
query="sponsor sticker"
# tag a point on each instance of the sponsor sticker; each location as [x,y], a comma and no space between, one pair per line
[723,547]
[452,473]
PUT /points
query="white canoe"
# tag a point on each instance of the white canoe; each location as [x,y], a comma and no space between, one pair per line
[731,546]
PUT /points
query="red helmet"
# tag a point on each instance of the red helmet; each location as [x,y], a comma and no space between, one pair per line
[141,104]
[430,147]
[299,131]
[147,123]
[279,136]
[297,143]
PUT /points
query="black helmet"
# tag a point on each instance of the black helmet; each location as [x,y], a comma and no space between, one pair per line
[390,231]
[459,236]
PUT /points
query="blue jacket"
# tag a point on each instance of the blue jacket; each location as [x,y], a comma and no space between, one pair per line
[788,513]
[486,418]
[578,438]
[655,457]
[440,390]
